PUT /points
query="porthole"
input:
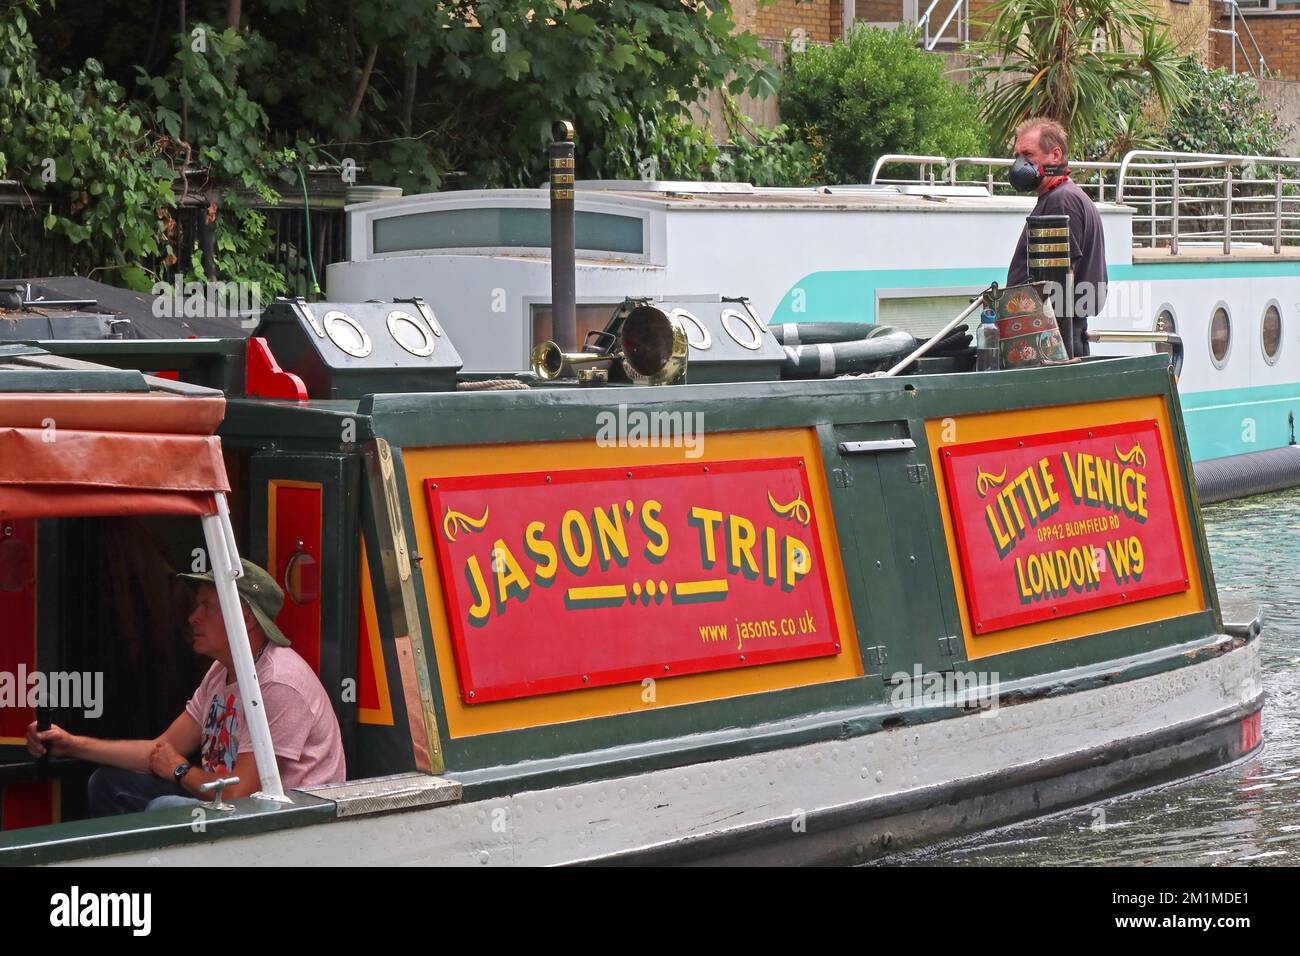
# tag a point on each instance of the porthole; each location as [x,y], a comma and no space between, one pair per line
[1270,333]
[697,334]
[1165,322]
[347,333]
[1220,335]
[750,335]
[411,333]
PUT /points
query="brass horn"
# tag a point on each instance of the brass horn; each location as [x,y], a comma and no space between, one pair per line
[550,363]
[654,349]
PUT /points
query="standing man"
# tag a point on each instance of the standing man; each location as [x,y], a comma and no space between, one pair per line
[1041,167]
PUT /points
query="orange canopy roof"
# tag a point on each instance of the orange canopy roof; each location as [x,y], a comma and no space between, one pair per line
[82,454]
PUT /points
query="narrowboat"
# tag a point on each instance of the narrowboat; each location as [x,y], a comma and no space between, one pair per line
[1202,245]
[673,607]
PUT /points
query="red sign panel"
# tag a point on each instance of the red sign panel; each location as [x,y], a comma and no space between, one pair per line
[1065,522]
[569,579]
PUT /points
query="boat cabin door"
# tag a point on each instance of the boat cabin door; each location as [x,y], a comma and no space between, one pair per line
[304,525]
[903,591]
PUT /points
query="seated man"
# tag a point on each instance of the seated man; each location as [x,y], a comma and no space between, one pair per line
[151,774]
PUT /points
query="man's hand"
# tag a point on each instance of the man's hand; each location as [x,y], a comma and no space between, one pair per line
[56,741]
[164,759]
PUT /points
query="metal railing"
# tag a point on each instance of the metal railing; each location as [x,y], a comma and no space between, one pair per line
[1180,199]
[1096,178]
[1211,199]
[1099,181]
[1171,340]
[924,164]
[932,36]
[1260,68]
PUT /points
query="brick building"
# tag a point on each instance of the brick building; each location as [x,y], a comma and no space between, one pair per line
[1273,24]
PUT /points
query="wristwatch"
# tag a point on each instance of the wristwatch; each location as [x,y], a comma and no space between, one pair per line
[179,773]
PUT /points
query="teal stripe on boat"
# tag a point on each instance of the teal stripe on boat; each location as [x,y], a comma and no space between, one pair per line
[849,295]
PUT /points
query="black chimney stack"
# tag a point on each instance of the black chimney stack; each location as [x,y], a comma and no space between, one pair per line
[1049,261]
[564,316]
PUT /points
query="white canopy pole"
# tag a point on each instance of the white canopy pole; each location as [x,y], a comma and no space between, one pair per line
[226,569]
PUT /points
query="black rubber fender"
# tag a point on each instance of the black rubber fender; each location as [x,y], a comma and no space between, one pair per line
[828,359]
[1254,473]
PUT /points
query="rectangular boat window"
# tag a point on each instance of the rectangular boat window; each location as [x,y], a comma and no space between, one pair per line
[921,315]
[504,227]
[590,317]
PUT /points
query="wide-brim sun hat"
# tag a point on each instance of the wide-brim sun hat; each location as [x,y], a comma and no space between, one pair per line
[259,591]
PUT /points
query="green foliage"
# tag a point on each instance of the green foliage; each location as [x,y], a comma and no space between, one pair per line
[765,157]
[422,94]
[1071,61]
[1223,114]
[79,143]
[878,93]
[465,94]
[204,117]
[660,146]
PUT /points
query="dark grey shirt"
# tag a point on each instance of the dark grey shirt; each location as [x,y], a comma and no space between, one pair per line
[1087,253]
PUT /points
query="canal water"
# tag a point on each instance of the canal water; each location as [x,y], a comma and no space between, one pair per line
[1247,814]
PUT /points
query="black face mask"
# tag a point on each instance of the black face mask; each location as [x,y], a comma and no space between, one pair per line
[1026,177]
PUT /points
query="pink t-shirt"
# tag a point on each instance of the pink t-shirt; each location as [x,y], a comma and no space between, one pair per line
[304,730]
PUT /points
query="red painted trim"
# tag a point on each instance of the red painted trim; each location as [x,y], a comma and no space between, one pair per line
[1252,733]
[18,612]
[25,805]
[263,377]
[296,515]
[987,623]
[828,647]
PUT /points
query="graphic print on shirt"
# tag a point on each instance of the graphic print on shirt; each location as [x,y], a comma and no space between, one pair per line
[220,741]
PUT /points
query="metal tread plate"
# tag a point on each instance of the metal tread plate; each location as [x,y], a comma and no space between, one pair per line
[381,794]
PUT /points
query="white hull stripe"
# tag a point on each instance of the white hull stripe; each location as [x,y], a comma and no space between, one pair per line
[612,818]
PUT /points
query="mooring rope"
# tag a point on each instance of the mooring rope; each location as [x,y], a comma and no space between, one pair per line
[492,385]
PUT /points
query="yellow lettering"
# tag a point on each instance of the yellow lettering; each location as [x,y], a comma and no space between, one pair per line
[541,551]
[1001,537]
[478,612]
[707,520]
[611,539]
[769,555]
[1106,484]
[741,538]
[1052,499]
[577,553]
[1074,477]
[798,561]
[1089,465]
[654,529]
[508,573]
